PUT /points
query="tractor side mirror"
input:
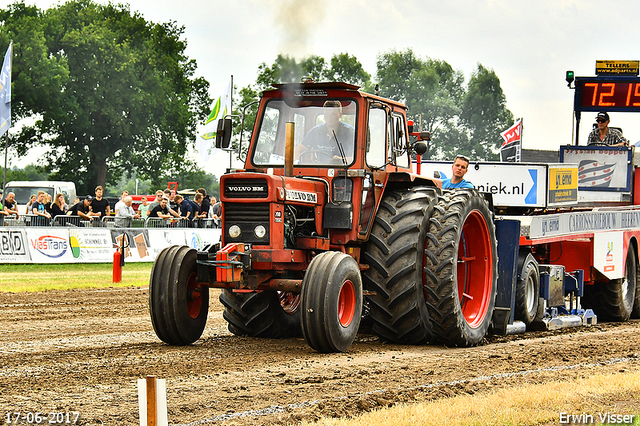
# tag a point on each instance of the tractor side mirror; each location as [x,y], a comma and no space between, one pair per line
[223,134]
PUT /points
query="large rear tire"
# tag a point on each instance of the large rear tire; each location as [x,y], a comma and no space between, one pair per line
[267,314]
[528,290]
[178,306]
[395,254]
[614,300]
[331,302]
[461,268]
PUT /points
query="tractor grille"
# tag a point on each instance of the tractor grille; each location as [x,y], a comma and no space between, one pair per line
[246,188]
[247,217]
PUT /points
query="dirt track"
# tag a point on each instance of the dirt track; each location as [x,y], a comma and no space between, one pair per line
[84,350]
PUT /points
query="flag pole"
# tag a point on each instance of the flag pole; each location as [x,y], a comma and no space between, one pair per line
[4,178]
[6,141]
[231,112]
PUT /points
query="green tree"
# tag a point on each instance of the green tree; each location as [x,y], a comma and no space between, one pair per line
[432,91]
[485,114]
[348,69]
[30,172]
[118,93]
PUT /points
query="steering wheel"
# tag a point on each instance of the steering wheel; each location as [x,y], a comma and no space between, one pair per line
[314,155]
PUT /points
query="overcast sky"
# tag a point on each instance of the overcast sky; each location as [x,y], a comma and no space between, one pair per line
[529,45]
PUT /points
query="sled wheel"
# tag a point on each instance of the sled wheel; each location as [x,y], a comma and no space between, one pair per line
[527,289]
[461,268]
[331,302]
[396,259]
[177,304]
[267,314]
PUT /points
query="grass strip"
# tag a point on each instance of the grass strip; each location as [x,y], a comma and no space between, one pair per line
[16,278]
[601,397]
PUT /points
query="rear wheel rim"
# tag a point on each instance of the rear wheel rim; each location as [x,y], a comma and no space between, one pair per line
[290,302]
[194,297]
[530,293]
[475,269]
[346,303]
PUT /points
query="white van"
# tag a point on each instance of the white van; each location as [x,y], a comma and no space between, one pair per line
[24,190]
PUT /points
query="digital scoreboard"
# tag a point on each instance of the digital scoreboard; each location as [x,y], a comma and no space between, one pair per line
[607,93]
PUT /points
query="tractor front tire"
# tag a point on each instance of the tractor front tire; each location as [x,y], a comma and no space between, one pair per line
[178,306]
[331,302]
[461,268]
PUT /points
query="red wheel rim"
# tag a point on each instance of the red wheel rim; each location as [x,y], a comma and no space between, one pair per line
[194,297]
[475,269]
[347,303]
[290,302]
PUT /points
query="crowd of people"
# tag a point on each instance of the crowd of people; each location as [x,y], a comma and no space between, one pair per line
[167,206]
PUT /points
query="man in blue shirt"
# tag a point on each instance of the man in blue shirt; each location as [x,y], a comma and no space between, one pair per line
[459,169]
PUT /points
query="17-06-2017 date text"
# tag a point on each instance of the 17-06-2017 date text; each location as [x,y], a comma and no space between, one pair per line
[41,418]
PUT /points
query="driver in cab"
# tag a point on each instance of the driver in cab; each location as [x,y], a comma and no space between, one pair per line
[330,142]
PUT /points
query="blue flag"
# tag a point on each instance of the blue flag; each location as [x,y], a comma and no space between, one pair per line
[5,92]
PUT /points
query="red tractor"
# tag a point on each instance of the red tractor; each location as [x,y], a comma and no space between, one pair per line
[328,224]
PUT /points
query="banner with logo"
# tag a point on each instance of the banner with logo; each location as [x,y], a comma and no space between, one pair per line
[199,238]
[49,245]
[91,245]
[95,245]
[136,244]
[13,246]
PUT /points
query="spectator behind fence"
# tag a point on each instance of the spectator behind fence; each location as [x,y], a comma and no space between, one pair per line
[47,202]
[10,204]
[82,209]
[215,209]
[38,209]
[186,210]
[30,203]
[170,194]
[143,208]
[3,213]
[206,202]
[161,210]
[120,203]
[156,202]
[100,206]
[125,214]
[201,213]
[58,207]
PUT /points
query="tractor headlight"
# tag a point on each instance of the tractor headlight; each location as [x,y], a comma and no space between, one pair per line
[260,231]
[234,231]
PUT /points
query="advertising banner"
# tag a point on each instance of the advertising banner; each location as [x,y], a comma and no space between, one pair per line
[563,184]
[608,254]
[49,245]
[13,247]
[95,245]
[159,238]
[600,168]
[91,245]
[512,184]
[199,238]
[136,244]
